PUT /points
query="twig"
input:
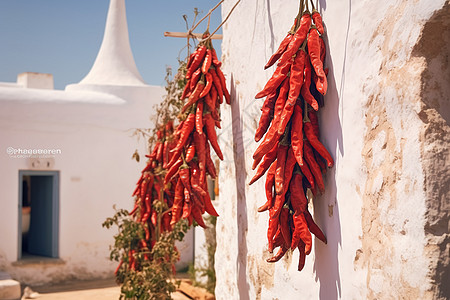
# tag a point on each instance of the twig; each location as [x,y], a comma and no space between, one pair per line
[209,13]
[190,34]
[223,22]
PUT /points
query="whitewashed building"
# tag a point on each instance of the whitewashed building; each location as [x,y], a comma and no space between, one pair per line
[66,160]
[386,207]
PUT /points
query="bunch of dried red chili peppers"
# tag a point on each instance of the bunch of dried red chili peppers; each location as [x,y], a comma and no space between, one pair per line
[291,151]
[149,189]
[191,160]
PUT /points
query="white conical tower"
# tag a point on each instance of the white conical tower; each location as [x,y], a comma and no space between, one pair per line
[114,68]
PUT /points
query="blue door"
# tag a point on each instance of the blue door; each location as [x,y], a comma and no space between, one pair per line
[42,236]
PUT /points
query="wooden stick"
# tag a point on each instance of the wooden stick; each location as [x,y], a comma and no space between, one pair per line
[185,35]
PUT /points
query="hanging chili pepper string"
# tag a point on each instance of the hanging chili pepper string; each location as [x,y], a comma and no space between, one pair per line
[290,151]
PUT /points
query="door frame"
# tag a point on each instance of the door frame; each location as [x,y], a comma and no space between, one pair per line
[55,209]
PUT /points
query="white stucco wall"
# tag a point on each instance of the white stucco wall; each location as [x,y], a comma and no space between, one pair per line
[374,207]
[93,132]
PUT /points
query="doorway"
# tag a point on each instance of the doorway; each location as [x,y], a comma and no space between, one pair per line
[38,214]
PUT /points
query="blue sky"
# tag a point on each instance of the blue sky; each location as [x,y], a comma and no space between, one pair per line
[62,37]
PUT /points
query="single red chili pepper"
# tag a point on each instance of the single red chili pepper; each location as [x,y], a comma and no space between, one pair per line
[270,182]
[218,85]
[306,93]
[313,166]
[175,155]
[209,83]
[187,207]
[184,173]
[138,188]
[281,252]
[316,144]
[195,177]
[266,116]
[133,211]
[177,207]
[224,85]
[280,74]
[191,58]
[173,170]
[298,199]
[199,117]
[166,222]
[178,129]
[141,178]
[185,131]
[284,225]
[302,256]
[159,153]
[313,227]
[156,147]
[131,259]
[272,228]
[148,192]
[197,60]
[323,53]
[193,98]
[214,97]
[277,240]
[186,91]
[198,202]
[317,18]
[190,153]
[320,162]
[314,54]
[148,167]
[282,154]
[166,153]
[154,218]
[144,185]
[312,115]
[118,267]
[297,40]
[301,232]
[280,199]
[199,143]
[210,167]
[209,103]
[281,49]
[215,60]
[211,134]
[207,61]
[209,207]
[196,213]
[288,171]
[269,158]
[147,232]
[272,135]
[308,175]
[169,127]
[297,134]
[295,86]
[214,104]
[195,78]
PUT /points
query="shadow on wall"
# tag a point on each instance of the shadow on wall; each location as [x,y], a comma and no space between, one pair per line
[326,208]
[241,205]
